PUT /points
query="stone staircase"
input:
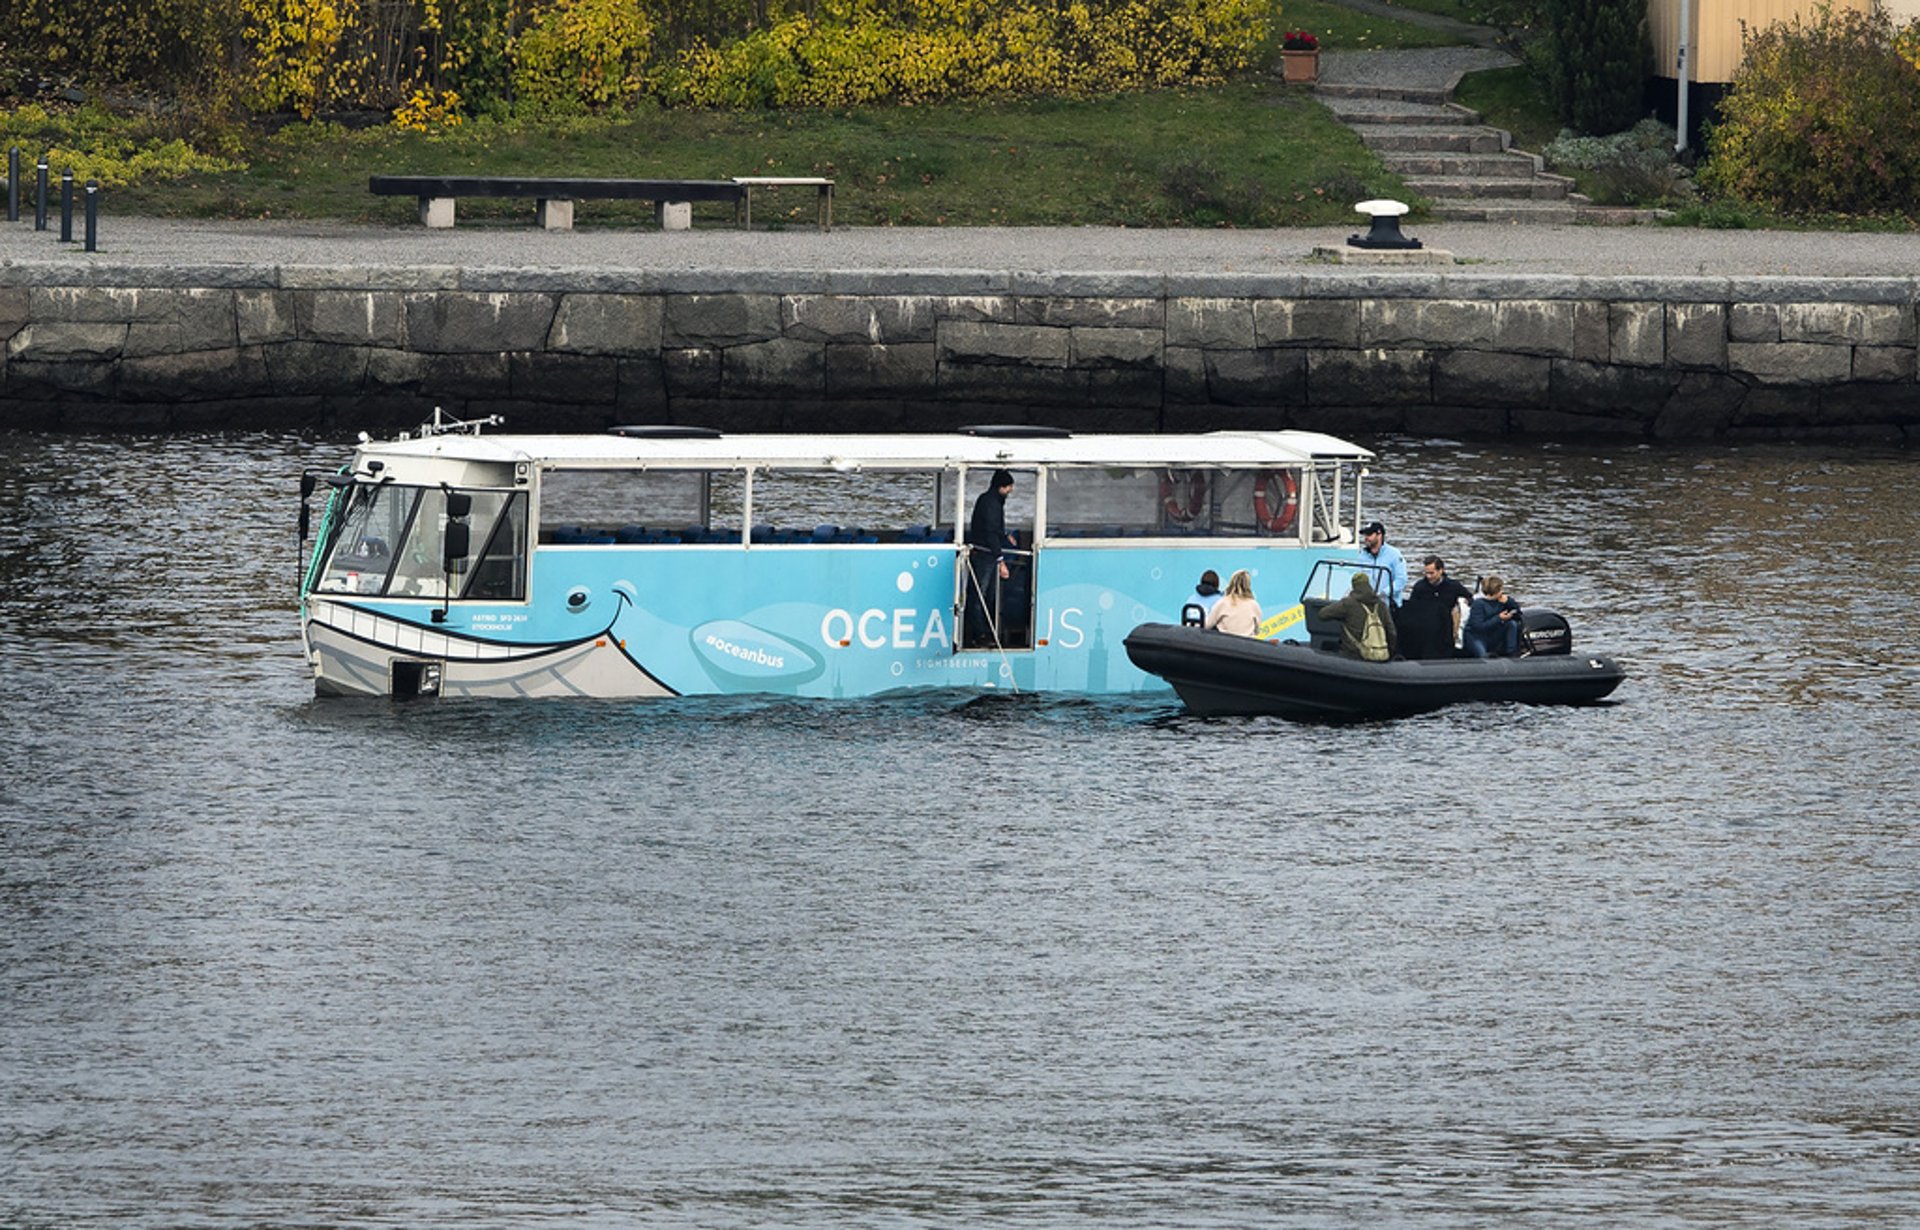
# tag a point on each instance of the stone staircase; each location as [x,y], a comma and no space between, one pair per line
[1467,170]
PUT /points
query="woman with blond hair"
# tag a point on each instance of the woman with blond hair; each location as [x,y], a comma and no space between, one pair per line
[1236,612]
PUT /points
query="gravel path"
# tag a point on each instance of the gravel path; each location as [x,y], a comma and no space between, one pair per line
[1481,247]
[1434,68]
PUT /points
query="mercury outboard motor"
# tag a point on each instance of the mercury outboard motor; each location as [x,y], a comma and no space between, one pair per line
[1544,632]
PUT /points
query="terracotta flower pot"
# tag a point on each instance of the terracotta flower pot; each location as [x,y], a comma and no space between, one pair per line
[1300,67]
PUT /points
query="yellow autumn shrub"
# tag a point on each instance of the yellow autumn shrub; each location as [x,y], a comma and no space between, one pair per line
[582,53]
[296,45]
[857,52]
[95,145]
[429,110]
[424,61]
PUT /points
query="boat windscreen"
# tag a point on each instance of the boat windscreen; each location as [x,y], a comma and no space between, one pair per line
[1332,578]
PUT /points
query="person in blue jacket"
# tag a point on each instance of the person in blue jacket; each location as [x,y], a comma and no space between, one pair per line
[1201,603]
[1375,550]
[1493,622]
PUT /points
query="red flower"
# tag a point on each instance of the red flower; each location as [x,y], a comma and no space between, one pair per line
[1299,40]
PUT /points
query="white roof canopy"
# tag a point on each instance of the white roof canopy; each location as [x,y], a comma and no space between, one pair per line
[1226,449]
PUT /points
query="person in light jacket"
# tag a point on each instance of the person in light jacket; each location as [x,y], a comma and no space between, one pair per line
[1237,611]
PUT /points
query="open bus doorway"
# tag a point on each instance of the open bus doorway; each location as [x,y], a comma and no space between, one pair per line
[997,611]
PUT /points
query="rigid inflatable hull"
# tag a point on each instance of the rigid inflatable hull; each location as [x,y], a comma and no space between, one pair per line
[1216,673]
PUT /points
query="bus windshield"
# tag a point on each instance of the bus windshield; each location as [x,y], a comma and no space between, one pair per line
[391,541]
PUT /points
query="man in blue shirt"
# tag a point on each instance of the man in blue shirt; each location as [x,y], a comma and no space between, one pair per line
[1375,551]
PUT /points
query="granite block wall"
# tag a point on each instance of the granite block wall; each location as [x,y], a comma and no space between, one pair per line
[1338,351]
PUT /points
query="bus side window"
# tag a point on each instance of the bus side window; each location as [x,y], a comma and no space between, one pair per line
[500,571]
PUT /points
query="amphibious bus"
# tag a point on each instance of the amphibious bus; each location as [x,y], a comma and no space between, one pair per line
[670,561]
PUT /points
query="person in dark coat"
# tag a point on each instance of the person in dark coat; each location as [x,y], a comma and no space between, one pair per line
[988,541]
[1493,622]
[1430,617]
[1351,611]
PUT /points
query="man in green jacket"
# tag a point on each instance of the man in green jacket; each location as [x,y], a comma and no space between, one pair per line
[1355,612]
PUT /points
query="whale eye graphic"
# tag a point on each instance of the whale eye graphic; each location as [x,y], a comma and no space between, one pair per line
[578,598]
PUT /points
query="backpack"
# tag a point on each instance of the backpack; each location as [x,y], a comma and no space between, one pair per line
[1373,638]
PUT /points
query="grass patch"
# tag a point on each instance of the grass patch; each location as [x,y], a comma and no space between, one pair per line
[1460,10]
[1512,99]
[1728,215]
[1250,153]
[1344,29]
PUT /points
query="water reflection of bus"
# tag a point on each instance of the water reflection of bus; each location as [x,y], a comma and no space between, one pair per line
[672,561]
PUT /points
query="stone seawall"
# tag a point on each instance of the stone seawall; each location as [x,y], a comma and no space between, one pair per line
[240,347]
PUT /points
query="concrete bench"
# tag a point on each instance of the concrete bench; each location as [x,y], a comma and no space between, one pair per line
[672,198]
[825,186]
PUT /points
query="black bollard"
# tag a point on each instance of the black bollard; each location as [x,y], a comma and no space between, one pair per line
[40,195]
[93,215]
[13,183]
[66,206]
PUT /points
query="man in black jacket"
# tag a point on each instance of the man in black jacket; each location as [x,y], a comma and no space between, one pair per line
[987,544]
[1430,617]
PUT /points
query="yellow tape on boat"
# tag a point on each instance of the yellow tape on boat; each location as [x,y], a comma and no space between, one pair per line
[1274,625]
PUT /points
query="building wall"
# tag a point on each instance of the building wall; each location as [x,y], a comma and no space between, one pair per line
[241,348]
[1717,26]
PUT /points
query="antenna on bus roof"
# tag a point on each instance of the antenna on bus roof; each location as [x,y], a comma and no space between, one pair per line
[441,425]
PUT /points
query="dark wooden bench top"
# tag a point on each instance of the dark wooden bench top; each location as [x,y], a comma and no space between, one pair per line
[556,188]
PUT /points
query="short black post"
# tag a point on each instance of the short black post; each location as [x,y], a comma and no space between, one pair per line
[66,206]
[93,215]
[40,195]
[13,183]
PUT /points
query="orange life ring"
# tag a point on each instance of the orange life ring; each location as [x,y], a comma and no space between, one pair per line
[1183,511]
[1276,501]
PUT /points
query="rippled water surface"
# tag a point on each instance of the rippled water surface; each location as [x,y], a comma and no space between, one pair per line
[271,961]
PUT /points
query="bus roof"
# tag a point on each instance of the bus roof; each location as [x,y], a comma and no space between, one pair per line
[923,451]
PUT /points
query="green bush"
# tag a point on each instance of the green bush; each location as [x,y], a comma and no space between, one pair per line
[171,44]
[1596,59]
[1635,167]
[1823,115]
[1718,216]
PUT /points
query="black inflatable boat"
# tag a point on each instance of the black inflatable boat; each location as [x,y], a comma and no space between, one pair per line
[1217,672]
